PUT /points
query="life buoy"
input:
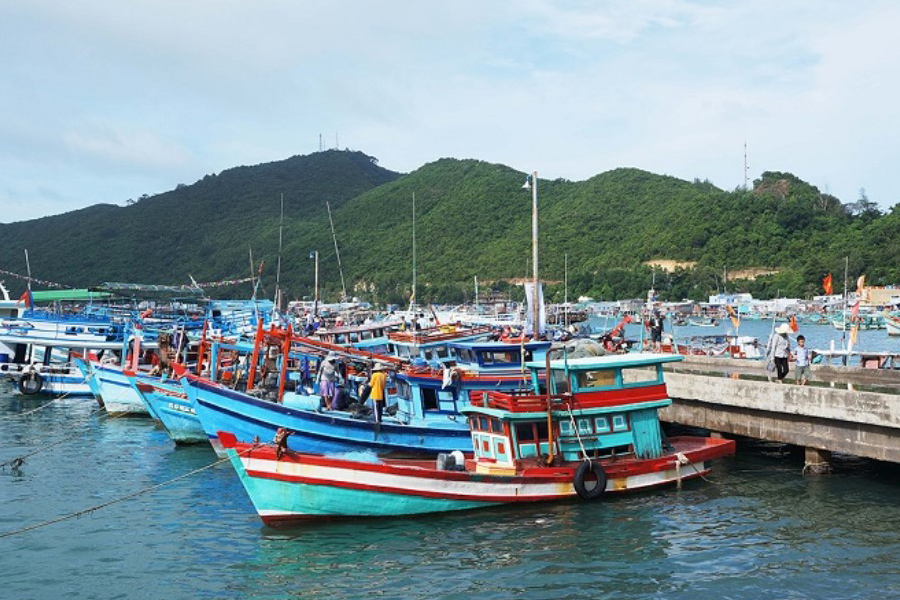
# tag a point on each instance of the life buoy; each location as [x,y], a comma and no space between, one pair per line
[31,383]
[597,490]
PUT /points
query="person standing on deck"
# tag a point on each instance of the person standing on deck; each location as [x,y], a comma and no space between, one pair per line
[778,351]
[377,385]
[328,376]
[656,329]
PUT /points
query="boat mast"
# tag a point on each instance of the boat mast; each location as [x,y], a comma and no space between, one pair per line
[412,299]
[566,291]
[844,312]
[535,306]
[278,268]
[338,253]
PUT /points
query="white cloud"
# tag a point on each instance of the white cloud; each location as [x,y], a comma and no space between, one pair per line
[116,100]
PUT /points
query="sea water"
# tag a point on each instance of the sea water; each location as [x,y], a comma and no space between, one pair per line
[757,529]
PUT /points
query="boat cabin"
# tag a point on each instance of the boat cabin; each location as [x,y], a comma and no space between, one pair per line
[432,345]
[496,357]
[601,407]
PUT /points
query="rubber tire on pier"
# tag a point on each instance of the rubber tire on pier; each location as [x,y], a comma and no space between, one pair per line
[581,473]
[31,383]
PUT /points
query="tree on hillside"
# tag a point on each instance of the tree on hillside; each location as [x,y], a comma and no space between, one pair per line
[863,207]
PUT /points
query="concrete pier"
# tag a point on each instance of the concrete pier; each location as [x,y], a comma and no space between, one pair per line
[706,394]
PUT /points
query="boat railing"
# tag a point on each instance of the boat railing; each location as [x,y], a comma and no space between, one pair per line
[514,401]
[437,334]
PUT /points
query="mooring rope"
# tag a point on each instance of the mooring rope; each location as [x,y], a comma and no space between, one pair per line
[119,499]
[577,434]
[20,460]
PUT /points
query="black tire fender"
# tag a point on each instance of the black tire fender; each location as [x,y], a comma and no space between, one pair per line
[31,383]
[583,491]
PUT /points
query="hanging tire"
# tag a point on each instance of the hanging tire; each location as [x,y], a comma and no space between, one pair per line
[31,383]
[589,493]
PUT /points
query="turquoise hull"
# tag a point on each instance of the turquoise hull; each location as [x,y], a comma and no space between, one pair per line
[278,501]
[167,402]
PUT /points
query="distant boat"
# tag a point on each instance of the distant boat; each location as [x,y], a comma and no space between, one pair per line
[704,322]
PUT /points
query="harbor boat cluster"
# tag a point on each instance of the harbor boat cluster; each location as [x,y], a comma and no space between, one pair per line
[376,416]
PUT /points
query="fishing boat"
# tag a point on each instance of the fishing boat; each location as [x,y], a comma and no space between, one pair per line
[892,324]
[423,404]
[594,431]
[167,401]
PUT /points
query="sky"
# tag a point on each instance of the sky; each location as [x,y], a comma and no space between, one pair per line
[105,101]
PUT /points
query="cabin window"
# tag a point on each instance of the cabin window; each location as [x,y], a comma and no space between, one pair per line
[620,423]
[560,381]
[473,423]
[496,426]
[429,398]
[483,424]
[525,432]
[442,352]
[354,337]
[640,375]
[601,424]
[542,430]
[596,379]
[509,357]
[404,390]
[584,426]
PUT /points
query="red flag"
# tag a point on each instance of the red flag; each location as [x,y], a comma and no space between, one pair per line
[793,324]
[826,283]
[26,298]
[259,270]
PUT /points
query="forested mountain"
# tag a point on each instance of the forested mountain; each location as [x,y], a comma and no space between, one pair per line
[472,219]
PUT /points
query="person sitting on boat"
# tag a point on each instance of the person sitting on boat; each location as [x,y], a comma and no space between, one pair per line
[328,378]
[162,357]
[377,386]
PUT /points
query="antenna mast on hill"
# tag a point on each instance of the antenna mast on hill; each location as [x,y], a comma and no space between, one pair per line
[320,143]
[746,168]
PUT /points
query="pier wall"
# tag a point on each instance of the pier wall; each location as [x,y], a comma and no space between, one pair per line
[862,423]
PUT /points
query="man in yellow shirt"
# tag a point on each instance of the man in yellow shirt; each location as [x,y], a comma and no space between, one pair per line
[377,385]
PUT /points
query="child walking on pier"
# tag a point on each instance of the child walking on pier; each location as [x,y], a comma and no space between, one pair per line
[802,355]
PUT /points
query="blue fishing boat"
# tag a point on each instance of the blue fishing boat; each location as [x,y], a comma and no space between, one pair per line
[424,400]
[167,401]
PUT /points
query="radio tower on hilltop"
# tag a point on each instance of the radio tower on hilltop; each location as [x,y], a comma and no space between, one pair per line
[746,168]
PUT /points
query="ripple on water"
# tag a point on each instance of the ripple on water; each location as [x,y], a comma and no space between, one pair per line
[758,529]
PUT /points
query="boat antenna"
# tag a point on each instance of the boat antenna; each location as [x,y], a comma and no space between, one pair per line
[278,268]
[337,253]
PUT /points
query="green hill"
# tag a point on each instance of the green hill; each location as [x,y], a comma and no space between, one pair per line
[472,219]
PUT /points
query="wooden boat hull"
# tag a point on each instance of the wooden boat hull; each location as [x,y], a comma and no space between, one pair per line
[113,387]
[299,486]
[167,401]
